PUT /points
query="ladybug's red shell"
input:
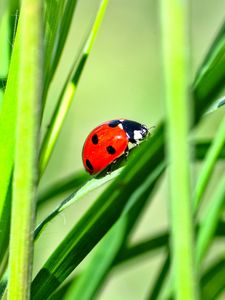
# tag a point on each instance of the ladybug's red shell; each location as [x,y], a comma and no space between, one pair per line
[102,146]
[109,141]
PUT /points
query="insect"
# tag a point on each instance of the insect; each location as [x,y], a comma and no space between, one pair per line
[109,141]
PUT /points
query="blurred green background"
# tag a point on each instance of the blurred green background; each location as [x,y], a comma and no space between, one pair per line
[122,78]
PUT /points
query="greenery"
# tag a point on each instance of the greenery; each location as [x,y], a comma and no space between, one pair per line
[34,36]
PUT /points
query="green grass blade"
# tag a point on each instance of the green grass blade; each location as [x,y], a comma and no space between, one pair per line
[99,218]
[76,180]
[53,16]
[150,245]
[210,221]
[4,237]
[4,50]
[90,280]
[209,163]
[121,231]
[7,141]
[210,77]
[75,196]
[212,281]
[62,33]
[68,92]
[201,150]
[160,279]
[175,53]
[72,182]
[143,247]
[29,81]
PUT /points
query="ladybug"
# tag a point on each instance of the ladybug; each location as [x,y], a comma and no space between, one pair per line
[109,141]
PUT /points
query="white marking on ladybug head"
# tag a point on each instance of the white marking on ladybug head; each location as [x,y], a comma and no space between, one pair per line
[137,135]
[120,126]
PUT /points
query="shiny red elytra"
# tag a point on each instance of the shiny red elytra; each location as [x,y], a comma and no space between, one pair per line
[109,141]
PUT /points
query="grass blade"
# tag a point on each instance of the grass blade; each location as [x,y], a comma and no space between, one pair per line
[68,92]
[5,50]
[210,161]
[29,81]
[7,143]
[90,280]
[72,182]
[53,16]
[75,196]
[61,32]
[160,279]
[99,218]
[174,32]
[151,244]
[210,221]
[119,237]
[202,148]
[210,77]
[212,281]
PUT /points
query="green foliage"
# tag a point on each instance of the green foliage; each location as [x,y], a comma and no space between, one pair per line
[105,230]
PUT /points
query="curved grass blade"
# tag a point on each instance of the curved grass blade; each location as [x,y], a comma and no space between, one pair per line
[91,185]
[4,236]
[160,279]
[212,281]
[210,221]
[72,182]
[29,81]
[211,74]
[209,163]
[91,278]
[76,180]
[59,33]
[7,144]
[7,141]
[4,50]
[53,16]
[154,243]
[174,18]
[99,218]
[202,148]
[119,237]
[68,92]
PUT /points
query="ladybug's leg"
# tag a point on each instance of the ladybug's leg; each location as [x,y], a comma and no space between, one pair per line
[126,152]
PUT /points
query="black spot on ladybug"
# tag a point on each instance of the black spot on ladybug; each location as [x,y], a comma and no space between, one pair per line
[94,139]
[111,150]
[89,165]
[114,123]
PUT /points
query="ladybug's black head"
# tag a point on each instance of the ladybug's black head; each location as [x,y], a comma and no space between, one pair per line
[135,131]
[144,131]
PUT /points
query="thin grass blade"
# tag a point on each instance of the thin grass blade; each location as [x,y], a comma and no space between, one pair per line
[119,237]
[210,76]
[209,164]
[212,281]
[66,10]
[210,221]
[68,92]
[7,143]
[5,50]
[91,185]
[91,279]
[53,18]
[160,280]
[25,173]
[72,182]
[98,219]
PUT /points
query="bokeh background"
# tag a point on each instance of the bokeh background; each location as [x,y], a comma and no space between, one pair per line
[122,78]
